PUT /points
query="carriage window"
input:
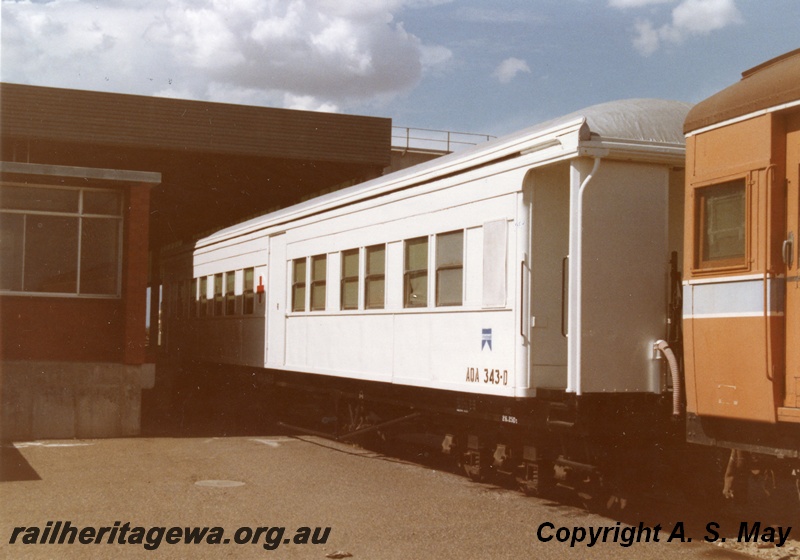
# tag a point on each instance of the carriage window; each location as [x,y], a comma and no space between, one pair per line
[319,270]
[721,225]
[195,305]
[203,296]
[350,279]
[450,268]
[60,240]
[299,284]
[218,294]
[230,297]
[248,292]
[375,281]
[415,278]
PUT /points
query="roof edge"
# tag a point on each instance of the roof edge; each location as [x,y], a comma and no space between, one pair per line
[150,178]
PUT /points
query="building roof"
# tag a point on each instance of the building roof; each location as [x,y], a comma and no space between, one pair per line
[13,170]
[135,121]
[771,84]
[219,162]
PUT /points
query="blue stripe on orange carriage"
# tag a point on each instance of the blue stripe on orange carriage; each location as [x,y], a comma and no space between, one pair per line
[734,298]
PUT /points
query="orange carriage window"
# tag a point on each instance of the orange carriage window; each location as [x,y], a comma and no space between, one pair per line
[721,225]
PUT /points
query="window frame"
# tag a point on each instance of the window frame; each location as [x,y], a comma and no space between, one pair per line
[194,297]
[349,280]
[229,294]
[248,291]
[219,290]
[317,284]
[449,267]
[370,277]
[410,274]
[82,215]
[203,297]
[700,263]
[299,283]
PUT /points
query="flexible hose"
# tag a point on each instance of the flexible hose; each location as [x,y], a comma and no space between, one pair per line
[663,346]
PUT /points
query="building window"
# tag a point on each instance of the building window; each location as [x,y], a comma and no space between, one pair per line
[350,279]
[449,268]
[230,293]
[299,284]
[415,277]
[249,290]
[319,271]
[375,281]
[721,225]
[60,240]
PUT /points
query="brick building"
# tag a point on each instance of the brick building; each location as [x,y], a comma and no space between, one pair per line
[92,185]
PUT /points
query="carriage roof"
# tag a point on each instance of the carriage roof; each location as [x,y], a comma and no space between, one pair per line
[639,122]
[769,85]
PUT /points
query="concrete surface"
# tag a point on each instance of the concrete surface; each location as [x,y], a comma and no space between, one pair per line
[377,507]
[213,457]
[71,399]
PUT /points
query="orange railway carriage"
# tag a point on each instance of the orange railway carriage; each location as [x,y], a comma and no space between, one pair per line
[741,294]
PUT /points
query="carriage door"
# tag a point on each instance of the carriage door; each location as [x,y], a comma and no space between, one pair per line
[549,248]
[791,256]
[276,301]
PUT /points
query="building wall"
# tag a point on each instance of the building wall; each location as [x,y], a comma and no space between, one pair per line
[62,329]
[61,399]
[75,366]
[134,287]
[59,353]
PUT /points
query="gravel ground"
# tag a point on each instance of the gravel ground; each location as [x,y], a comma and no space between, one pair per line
[378,507]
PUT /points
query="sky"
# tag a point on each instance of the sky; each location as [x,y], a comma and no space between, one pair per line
[460,65]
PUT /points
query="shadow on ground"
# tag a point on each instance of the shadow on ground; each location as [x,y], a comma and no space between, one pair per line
[200,405]
[14,467]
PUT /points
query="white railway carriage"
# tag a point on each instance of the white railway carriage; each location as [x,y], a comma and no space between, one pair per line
[536,264]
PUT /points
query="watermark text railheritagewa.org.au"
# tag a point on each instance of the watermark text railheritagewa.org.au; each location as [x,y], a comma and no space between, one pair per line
[150,538]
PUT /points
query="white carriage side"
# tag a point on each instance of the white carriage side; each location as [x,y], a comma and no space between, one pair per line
[214,304]
[452,274]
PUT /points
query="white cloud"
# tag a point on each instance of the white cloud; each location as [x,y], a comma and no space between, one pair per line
[308,103]
[509,68]
[704,16]
[321,54]
[647,38]
[689,18]
[434,56]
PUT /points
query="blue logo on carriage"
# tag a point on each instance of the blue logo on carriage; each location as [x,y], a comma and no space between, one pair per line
[486,339]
